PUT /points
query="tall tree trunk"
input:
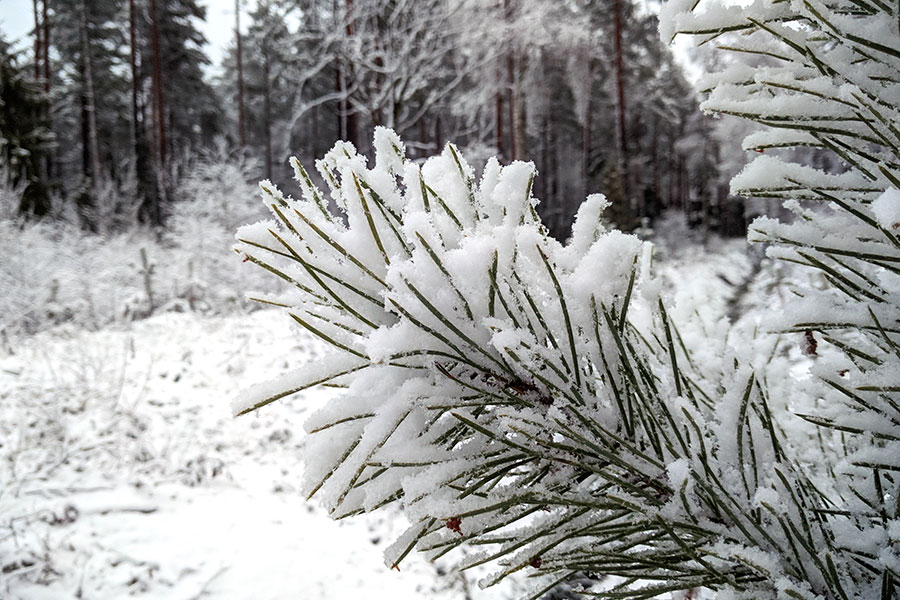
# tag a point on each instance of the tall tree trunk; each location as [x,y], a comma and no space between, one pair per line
[132,40]
[158,103]
[148,198]
[242,136]
[423,139]
[352,119]
[511,104]
[519,122]
[654,163]
[508,87]
[45,23]
[437,133]
[342,101]
[89,107]
[46,48]
[267,114]
[38,54]
[586,143]
[620,102]
[159,118]
[39,43]
[498,116]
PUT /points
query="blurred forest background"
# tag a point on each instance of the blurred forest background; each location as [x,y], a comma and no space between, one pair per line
[111,107]
[129,157]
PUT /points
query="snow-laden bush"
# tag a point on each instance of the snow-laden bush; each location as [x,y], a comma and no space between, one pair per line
[534,401]
[56,272]
[212,200]
[10,195]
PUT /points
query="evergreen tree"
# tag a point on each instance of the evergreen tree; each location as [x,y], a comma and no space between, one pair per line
[267,67]
[91,46]
[190,108]
[25,136]
[534,399]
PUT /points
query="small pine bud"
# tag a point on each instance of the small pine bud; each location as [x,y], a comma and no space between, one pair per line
[536,562]
[455,524]
[810,344]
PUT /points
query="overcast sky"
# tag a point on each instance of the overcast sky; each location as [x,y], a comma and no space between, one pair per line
[17,21]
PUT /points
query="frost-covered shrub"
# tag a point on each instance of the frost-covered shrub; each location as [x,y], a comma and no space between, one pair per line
[10,196]
[212,200]
[56,272]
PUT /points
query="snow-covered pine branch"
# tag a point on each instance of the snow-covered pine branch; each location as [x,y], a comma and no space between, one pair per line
[524,397]
[827,75]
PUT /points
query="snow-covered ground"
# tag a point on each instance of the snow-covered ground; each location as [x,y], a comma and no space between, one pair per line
[123,474]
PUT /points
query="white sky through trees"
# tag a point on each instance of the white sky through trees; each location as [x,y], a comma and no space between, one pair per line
[17,22]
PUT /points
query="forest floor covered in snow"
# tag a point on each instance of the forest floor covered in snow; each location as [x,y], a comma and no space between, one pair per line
[123,473]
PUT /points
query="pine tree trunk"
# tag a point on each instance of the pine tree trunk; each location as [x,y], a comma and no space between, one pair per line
[511,102]
[498,117]
[242,136]
[132,40]
[46,48]
[267,114]
[351,116]
[586,137]
[159,118]
[149,200]
[545,159]
[342,101]
[621,110]
[39,54]
[45,23]
[89,108]
[423,138]
[520,134]
[158,104]
[37,43]
[437,133]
